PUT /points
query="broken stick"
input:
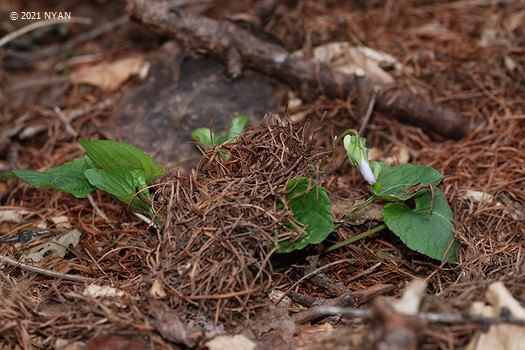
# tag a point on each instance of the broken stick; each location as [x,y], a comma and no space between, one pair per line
[218,38]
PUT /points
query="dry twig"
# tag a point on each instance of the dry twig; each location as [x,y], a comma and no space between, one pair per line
[43,271]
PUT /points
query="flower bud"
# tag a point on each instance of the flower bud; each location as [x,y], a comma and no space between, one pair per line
[358,154]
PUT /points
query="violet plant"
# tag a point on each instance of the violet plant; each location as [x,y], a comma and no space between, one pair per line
[427,228]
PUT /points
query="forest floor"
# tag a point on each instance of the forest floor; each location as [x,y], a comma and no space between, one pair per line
[105,76]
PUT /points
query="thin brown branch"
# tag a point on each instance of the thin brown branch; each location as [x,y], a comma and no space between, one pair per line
[434,317]
[348,299]
[44,271]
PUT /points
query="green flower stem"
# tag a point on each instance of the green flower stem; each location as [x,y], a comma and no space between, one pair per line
[339,138]
[354,239]
[355,211]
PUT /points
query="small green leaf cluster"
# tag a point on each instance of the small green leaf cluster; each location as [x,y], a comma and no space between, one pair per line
[118,168]
[208,138]
[309,202]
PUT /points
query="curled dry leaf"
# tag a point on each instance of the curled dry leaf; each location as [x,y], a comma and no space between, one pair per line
[501,335]
[346,59]
[109,76]
[397,321]
[190,331]
[157,289]
[228,342]
[397,155]
[97,291]
[54,249]
[13,215]
[116,342]
[61,222]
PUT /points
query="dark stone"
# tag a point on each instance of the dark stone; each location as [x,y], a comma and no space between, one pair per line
[179,96]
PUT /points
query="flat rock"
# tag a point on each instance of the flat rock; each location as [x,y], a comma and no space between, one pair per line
[180,95]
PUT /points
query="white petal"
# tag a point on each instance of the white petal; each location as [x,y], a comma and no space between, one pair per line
[367,172]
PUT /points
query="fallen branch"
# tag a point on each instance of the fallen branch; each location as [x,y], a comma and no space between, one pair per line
[485,322]
[221,38]
[318,311]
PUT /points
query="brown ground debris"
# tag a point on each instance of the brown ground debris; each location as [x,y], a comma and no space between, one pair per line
[221,223]
[466,54]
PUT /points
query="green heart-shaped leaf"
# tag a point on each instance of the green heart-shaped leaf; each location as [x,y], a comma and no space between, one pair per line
[310,207]
[404,181]
[430,234]
[238,125]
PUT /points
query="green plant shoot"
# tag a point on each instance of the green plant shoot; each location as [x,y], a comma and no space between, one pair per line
[208,138]
[123,171]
